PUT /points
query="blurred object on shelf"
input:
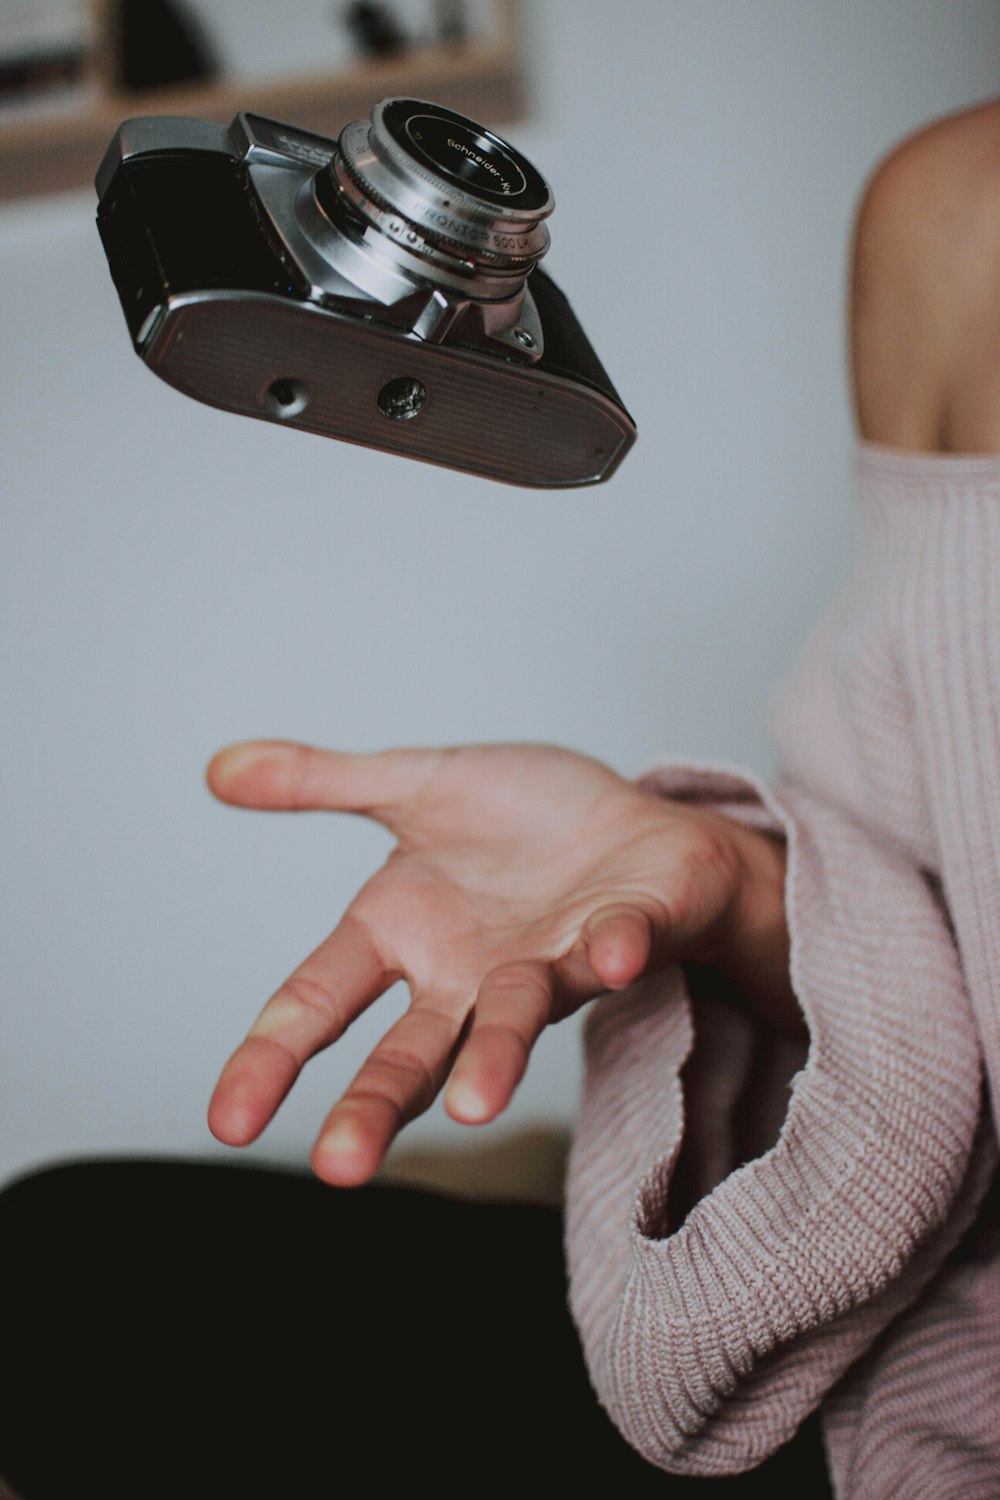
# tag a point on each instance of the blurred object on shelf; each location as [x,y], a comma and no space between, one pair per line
[159,43]
[44,46]
[296,61]
[452,22]
[375,30]
[254,40]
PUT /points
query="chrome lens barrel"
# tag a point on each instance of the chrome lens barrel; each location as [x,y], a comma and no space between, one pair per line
[425,187]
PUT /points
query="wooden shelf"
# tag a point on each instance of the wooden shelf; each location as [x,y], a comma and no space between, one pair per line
[62,150]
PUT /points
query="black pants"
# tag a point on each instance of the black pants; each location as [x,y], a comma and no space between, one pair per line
[172,1329]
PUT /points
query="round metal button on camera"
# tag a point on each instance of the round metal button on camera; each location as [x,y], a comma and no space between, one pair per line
[286,397]
[402,398]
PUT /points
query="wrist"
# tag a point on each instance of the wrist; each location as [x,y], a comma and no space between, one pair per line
[751,947]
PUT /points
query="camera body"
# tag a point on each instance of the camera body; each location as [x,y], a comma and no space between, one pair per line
[382,289]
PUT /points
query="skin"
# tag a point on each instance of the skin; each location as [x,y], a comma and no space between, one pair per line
[527,879]
[925,304]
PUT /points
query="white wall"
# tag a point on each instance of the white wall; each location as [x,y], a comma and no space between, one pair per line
[174,578]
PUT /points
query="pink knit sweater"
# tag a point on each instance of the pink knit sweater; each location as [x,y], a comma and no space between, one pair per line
[830,1269]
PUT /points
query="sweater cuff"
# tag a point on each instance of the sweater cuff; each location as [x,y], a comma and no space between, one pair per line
[709,1343]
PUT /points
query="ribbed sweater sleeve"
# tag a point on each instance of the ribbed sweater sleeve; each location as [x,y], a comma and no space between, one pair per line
[820,1272]
[709,1344]
[919,1417]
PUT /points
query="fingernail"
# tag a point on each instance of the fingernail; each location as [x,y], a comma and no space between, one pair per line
[465,1103]
[340,1157]
[340,1140]
[234,757]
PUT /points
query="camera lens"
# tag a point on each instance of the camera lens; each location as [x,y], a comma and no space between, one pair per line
[470,159]
[440,198]
[466,155]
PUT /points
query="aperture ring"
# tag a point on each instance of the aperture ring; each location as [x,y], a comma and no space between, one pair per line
[436,210]
[473,252]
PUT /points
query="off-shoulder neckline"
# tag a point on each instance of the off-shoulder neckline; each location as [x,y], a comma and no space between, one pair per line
[881,460]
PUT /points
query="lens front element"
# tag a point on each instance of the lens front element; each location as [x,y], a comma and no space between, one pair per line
[469,159]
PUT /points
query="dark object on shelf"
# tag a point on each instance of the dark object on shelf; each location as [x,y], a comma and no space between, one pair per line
[160,44]
[375,30]
[450,22]
[30,74]
[382,288]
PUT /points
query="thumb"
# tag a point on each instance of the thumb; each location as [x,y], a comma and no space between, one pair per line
[278,775]
[619,941]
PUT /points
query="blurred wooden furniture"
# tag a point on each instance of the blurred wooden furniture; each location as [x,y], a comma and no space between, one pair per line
[43,151]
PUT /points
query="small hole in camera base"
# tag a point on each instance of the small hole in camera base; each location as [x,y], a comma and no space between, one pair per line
[402,398]
[286,397]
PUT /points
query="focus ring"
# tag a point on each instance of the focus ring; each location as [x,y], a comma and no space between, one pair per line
[341,183]
[443,212]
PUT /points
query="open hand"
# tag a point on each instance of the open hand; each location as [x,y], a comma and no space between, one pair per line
[525,881]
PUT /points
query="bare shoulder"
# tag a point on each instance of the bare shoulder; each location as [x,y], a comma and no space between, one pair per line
[925,312]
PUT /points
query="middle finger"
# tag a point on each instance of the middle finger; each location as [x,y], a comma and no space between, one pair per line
[401,1078]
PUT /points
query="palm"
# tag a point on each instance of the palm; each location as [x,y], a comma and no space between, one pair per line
[524,881]
[504,856]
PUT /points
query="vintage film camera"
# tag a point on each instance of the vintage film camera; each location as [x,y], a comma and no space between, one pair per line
[382,288]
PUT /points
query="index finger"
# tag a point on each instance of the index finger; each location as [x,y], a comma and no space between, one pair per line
[281,775]
[313,1007]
